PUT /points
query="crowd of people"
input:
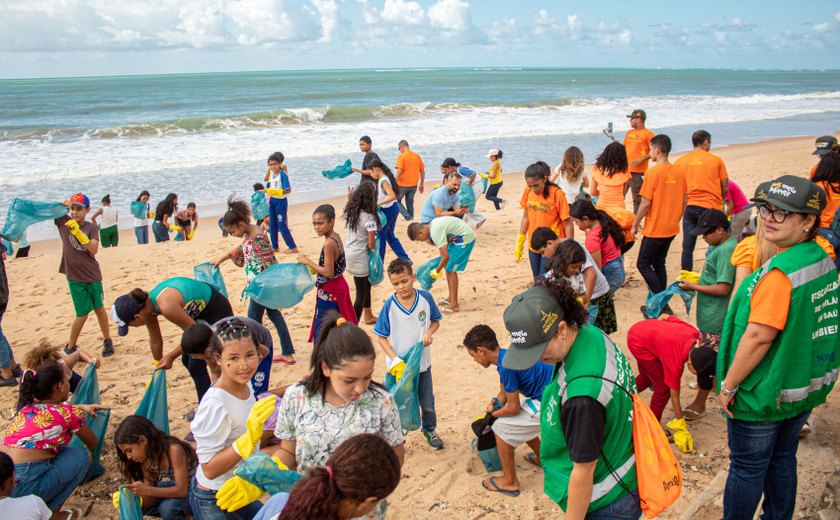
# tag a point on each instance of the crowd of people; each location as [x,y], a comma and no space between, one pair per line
[765,340]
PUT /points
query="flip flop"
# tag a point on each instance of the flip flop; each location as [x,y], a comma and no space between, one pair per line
[497,489]
[447,310]
[443,301]
[692,415]
[283,361]
[532,458]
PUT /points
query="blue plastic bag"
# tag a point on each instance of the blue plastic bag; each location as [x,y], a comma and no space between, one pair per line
[484,183]
[259,206]
[376,270]
[210,275]
[9,248]
[382,218]
[656,302]
[405,391]
[23,213]
[130,508]
[154,406]
[281,286]
[339,172]
[261,471]
[423,276]
[467,196]
[88,393]
[139,209]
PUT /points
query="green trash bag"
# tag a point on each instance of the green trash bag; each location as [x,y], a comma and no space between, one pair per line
[139,209]
[405,391]
[88,393]
[484,183]
[382,218]
[210,275]
[23,213]
[423,276]
[130,508]
[281,286]
[376,270]
[656,302]
[260,470]
[154,405]
[467,196]
[9,247]
[259,206]
[339,172]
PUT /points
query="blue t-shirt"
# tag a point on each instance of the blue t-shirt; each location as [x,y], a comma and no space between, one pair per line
[530,382]
[465,173]
[441,198]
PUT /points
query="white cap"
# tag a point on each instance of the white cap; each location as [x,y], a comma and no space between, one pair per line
[492,152]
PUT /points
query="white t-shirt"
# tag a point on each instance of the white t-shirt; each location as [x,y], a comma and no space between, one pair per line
[219,420]
[570,189]
[602,287]
[405,327]
[381,195]
[142,222]
[30,507]
[109,217]
[356,245]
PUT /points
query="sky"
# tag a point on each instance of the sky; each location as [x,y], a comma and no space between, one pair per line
[56,38]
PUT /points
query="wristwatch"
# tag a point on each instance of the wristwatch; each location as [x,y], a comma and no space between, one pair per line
[729,393]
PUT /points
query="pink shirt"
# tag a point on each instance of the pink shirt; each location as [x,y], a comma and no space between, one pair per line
[609,251]
[44,426]
[737,197]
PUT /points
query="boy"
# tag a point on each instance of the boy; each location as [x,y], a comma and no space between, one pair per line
[455,240]
[663,203]
[516,421]
[408,316]
[80,243]
[29,507]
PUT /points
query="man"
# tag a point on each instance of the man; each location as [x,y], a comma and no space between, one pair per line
[708,185]
[366,145]
[410,172]
[823,146]
[444,201]
[449,167]
[637,146]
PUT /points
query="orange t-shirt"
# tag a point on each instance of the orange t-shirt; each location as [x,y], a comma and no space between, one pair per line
[746,252]
[703,174]
[665,187]
[637,144]
[610,189]
[547,212]
[770,301]
[411,164]
[832,203]
[813,171]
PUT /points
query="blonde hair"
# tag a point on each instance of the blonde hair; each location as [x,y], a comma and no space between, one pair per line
[43,354]
[572,166]
[764,249]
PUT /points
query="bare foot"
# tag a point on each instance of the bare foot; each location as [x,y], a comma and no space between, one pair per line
[290,251]
[371,320]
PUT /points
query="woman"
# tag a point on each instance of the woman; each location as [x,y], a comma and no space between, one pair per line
[827,177]
[774,365]
[163,212]
[610,177]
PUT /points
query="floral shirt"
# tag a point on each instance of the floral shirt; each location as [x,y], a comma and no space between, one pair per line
[44,426]
[255,254]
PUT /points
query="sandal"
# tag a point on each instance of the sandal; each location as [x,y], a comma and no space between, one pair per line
[532,458]
[283,361]
[495,488]
[689,414]
[73,513]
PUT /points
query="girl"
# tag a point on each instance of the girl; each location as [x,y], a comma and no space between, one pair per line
[494,176]
[333,293]
[570,174]
[604,240]
[38,437]
[335,402]
[141,225]
[256,255]
[159,467]
[387,191]
[827,177]
[543,205]
[187,220]
[109,233]
[277,177]
[362,220]
[228,423]
[610,177]
[165,209]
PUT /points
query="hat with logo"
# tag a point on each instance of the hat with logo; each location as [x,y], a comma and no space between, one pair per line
[709,221]
[792,193]
[638,113]
[825,144]
[758,196]
[79,199]
[123,311]
[532,319]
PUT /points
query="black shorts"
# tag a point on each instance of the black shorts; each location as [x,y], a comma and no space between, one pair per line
[217,308]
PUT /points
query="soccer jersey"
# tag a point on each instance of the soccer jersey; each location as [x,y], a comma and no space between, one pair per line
[408,324]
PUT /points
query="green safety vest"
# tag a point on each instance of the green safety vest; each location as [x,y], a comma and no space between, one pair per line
[592,354]
[801,366]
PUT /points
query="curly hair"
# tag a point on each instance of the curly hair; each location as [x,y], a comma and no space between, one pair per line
[572,166]
[612,160]
[362,199]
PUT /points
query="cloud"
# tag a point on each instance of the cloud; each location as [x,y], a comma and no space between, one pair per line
[821,27]
[403,13]
[328,10]
[451,15]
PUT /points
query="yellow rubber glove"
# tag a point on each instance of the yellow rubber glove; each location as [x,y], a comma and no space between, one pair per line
[484,175]
[397,368]
[688,276]
[237,493]
[191,235]
[73,226]
[245,444]
[151,214]
[173,227]
[116,498]
[275,192]
[520,246]
[437,274]
[682,437]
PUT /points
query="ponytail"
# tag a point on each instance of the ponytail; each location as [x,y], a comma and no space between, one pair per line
[39,385]
[574,313]
[387,171]
[238,211]
[583,208]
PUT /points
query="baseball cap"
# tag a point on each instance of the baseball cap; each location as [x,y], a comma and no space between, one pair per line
[824,144]
[798,194]
[492,152]
[123,311]
[704,361]
[449,162]
[532,319]
[79,199]
[638,113]
[759,195]
[710,220]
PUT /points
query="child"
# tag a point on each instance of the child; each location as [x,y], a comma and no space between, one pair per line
[109,233]
[79,245]
[259,204]
[610,177]
[277,177]
[455,240]
[407,317]
[28,507]
[333,293]
[494,178]
[9,370]
[362,220]
[604,240]
[736,209]
[141,225]
[187,221]
[387,192]
[45,353]
[518,420]
[570,175]
[256,255]
[157,467]
[166,209]
[228,424]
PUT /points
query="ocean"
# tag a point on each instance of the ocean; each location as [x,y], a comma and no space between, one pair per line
[207,136]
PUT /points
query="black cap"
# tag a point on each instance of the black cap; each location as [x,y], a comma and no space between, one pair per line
[759,195]
[825,144]
[123,311]
[710,221]
[532,319]
[797,194]
[449,162]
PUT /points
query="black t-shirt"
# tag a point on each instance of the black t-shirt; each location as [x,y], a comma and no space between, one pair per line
[369,158]
[583,420]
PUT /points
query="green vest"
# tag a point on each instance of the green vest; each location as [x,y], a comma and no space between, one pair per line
[801,366]
[592,354]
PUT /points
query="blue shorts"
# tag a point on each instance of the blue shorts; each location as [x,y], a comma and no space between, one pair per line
[459,256]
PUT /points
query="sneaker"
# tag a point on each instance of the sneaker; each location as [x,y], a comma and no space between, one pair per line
[70,350]
[17,371]
[434,440]
[805,431]
[8,381]
[190,415]
[190,438]
[107,348]
[503,204]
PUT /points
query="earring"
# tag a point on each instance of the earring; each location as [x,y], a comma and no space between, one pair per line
[806,230]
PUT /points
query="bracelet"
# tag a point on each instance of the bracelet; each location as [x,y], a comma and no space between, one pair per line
[728,392]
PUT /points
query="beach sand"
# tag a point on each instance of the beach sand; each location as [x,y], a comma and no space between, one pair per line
[443,483]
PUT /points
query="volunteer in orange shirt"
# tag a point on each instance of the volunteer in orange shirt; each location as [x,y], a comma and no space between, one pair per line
[827,177]
[708,184]
[663,203]
[823,145]
[411,175]
[610,177]
[637,145]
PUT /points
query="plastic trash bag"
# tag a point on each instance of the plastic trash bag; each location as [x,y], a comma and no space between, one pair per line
[130,508]
[23,213]
[9,247]
[153,406]
[405,391]
[88,393]
[260,470]
[656,302]
[382,218]
[259,206]
[138,209]
[484,183]
[281,286]
[467,196]
[376,270]
[339,172]
[210,275]
[423,276]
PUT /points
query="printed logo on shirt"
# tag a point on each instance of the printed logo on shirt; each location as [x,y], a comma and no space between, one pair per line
[194,308]
[519,336]
[547,320]
[422,317]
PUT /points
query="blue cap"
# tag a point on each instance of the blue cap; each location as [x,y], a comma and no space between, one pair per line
[123,311]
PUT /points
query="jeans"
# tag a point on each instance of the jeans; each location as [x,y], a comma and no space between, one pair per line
[362,300]
[278,212]
[614,273]
[55,479]
[626,507]
[160,231]
[169,508]
[493,194]
[635,185]
[386,233]
[203,503]
[539,264]
[690,220]
[256,313]
[141,233]
[834,240]
[762,458]
[651,262]
[426,396]
[407,193]
[652,374]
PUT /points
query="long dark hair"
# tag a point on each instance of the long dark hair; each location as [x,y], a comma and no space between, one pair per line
[828,171]
[345,476]
[362,199]
[166,206]
[142,193]
[568,252]
[376,163]
[612,160]
[574,312]
[540,170]
[39,384]
[609,227]
[238,211]
[157,447]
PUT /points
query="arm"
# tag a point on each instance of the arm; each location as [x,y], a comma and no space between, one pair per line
[371,240]
[182,481]
[328,269]
[427,337]
[389,191]
[729,207]
[444,258]
[400,451]
[96,214]
[718,289]
[92,246]
[218,261]
[221,463]
[267,175]
[286,171]
[580,489]
[155,338]
[511,407]
[171,308]
[644,208]
[88,437]
[385,345]
[675,404]
[585,182]
[596,258]
[724,188]
[285,451]
[589,278]
[523,224]
[569,228]
[422,184]
[740,274]
[594,191]
[640,160]
[752,348]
